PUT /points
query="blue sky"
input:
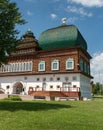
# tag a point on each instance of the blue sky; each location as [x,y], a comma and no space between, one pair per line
[87,15]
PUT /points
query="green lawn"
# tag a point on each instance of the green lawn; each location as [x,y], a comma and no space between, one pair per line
[51,115]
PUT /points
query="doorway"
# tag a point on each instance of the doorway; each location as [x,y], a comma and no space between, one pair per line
[18,88]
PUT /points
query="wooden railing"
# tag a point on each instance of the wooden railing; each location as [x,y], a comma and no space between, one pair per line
[70,92]
[61,89]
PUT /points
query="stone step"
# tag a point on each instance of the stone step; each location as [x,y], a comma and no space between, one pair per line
[27,97]
[2,96]
[23,97]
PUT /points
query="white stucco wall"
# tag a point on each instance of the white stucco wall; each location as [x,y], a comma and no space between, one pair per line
[85,86]
[31,81]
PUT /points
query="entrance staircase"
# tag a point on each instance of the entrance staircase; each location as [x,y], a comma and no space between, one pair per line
[26,97]
[2,96]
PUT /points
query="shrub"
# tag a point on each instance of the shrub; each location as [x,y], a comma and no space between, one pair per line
[13,98]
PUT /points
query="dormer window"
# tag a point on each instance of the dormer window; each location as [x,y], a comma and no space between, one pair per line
[70,64]
[41,66]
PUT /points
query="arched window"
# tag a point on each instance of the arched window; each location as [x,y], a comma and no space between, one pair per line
[8,66]
[70,64]
[41,66]
[30,66]
[15,67]
[24,66]
[12,67]
[55,65]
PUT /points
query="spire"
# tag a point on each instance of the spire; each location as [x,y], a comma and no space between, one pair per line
[64,21]
[29,30]
[29,33]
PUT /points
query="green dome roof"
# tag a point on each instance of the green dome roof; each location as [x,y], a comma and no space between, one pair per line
[61,37]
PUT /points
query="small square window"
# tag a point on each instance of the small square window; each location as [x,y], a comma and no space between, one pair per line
[58,86]
[38,79]
[58,79]
[51,86]
[74,86]
[74,78]
[37,86]
[51,79]
[44,79]
[25,78]
[66,79]
[7,87]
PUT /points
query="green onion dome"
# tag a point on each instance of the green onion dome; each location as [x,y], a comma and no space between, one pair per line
[64,36]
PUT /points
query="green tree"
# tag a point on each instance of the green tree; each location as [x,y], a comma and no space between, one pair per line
[9,18]
[97,88]
[102,89]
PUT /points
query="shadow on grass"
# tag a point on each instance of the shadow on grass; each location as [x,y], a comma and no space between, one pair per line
[30,106]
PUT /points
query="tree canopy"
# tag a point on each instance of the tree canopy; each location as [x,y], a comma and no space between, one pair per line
[98,88]
[9,18]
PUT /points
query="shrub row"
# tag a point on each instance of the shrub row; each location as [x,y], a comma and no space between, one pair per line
[13,98]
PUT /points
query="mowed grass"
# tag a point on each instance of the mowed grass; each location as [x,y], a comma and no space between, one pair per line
[51,115]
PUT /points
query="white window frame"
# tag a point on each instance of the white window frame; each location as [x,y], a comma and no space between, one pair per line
[30,66]
[42,63]
[17,67]
[55,62]
[24,66]
[71,61]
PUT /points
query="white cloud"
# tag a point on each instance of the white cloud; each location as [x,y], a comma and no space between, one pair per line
[29,13]
[80,11]
[53,16]
[97,67]
[72,19]
[88,3]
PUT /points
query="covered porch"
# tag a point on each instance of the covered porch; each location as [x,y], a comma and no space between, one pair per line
[63,93]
